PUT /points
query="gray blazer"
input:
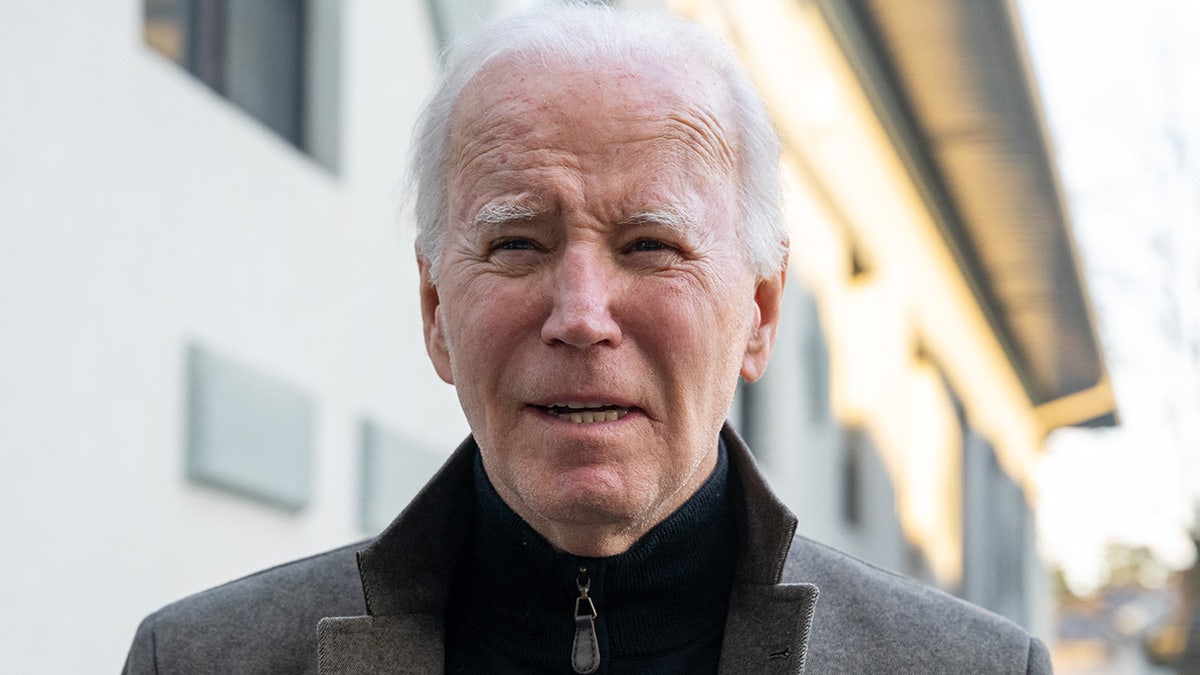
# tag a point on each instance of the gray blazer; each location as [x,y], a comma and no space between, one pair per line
[378,608]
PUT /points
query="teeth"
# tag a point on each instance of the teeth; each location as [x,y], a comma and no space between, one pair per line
[575,405]
[590,416]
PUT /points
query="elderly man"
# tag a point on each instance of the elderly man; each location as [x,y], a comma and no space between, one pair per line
[601,256]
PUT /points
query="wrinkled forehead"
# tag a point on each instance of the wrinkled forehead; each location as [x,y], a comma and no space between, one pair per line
[516,94]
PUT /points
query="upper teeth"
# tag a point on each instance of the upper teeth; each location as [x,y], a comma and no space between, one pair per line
[588,412]
[575,405]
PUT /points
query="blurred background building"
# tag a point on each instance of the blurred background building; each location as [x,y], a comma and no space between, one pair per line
[940,328]
[211,357]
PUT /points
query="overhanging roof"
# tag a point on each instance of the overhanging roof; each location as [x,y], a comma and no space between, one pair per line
[950,80]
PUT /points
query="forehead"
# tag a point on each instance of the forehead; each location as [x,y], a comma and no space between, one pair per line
[681,109]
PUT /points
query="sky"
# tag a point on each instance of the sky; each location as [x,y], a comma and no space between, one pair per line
[1121,91]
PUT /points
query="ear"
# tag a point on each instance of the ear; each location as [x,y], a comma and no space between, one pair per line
[768,304]
[431,317]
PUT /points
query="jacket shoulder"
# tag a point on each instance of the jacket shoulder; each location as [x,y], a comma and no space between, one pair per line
[262,623]
[869,619]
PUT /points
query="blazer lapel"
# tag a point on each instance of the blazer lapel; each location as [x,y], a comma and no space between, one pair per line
[405,584]
[379,644]
[769,621]
[767,629]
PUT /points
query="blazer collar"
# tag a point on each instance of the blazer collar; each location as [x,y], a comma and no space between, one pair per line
[409,566]
[767,526]
[769,622]
[406,586]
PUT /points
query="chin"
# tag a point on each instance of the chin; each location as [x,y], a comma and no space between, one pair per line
[593,508]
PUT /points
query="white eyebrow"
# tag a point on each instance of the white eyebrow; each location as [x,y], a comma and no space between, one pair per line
[495,215]
[674,218]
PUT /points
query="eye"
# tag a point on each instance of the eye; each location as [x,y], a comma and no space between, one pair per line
[515,245]
[645,245]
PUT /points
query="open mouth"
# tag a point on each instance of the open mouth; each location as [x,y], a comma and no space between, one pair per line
[585,413]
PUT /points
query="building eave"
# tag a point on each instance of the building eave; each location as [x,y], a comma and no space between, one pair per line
[951,83]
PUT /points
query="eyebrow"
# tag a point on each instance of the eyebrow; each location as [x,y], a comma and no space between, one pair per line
[671,217]
[496,215]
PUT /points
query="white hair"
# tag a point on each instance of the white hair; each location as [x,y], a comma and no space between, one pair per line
[584,33]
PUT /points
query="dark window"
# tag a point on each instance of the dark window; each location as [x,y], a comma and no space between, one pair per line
[256,53]
[852,475]
[750,416]
[816,363]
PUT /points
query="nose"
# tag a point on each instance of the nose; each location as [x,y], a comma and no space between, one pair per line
[581,315]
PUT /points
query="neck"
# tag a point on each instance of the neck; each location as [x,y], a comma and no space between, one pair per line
[603,538]
[661,601]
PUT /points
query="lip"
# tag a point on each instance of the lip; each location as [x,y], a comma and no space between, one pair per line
[542,406]
[543,413]
[576,397]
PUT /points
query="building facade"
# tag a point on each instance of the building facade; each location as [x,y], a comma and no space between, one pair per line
[211,357]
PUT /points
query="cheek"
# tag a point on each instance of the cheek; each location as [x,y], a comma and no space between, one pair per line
[699,320]
[691,338]
[487,323]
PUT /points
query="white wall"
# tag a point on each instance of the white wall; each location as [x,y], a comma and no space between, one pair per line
[138,211]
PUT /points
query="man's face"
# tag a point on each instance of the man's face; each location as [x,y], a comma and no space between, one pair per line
[593,305]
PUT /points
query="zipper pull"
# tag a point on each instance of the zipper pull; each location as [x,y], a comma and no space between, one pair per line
[585,651]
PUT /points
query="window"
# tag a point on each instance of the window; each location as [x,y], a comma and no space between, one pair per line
[852,468]
[816,363]
[394,468]
[274,59]
[749,417]
[247,432]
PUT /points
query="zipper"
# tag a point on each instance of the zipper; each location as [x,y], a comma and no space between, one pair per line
[585,649]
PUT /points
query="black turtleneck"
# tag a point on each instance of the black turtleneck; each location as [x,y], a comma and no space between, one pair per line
[660,606]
